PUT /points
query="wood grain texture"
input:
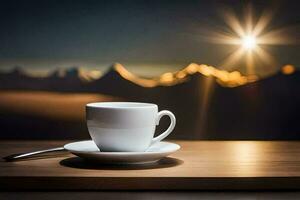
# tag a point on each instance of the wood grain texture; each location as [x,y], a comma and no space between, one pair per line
[198,165]
[157,195]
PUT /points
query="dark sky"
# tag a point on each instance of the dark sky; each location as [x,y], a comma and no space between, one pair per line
[156,33]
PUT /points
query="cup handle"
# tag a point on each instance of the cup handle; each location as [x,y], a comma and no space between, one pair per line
[170,128]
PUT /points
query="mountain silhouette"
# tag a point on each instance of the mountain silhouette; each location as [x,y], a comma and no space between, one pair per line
[112,83]
[264,109]
[66,73]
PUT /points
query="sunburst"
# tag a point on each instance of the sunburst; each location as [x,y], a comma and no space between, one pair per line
[250,36]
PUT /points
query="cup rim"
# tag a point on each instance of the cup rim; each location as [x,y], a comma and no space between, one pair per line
[121,105]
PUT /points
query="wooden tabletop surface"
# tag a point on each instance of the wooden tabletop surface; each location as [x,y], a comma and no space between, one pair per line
[197,165]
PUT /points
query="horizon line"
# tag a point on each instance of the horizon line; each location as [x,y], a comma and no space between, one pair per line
[223,77]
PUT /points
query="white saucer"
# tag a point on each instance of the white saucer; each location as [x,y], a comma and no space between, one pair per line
[89,150]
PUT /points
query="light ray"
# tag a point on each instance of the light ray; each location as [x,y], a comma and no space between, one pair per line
[250,63]
[232,21]
[265,57]
[207,90]
[262,23]
[232,58]
[223,38]
[249,19]
[277,37]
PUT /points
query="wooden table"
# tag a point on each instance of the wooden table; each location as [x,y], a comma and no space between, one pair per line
[199,165]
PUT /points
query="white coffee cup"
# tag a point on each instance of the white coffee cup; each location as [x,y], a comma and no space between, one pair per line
[125,126]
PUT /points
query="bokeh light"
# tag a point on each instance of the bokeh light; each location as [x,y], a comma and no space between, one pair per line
[288,69]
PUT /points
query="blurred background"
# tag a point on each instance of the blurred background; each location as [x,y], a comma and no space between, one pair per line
[227,69]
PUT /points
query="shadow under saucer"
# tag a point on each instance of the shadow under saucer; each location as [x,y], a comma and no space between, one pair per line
[80,163]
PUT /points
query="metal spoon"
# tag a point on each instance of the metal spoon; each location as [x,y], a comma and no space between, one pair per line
[34,154]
